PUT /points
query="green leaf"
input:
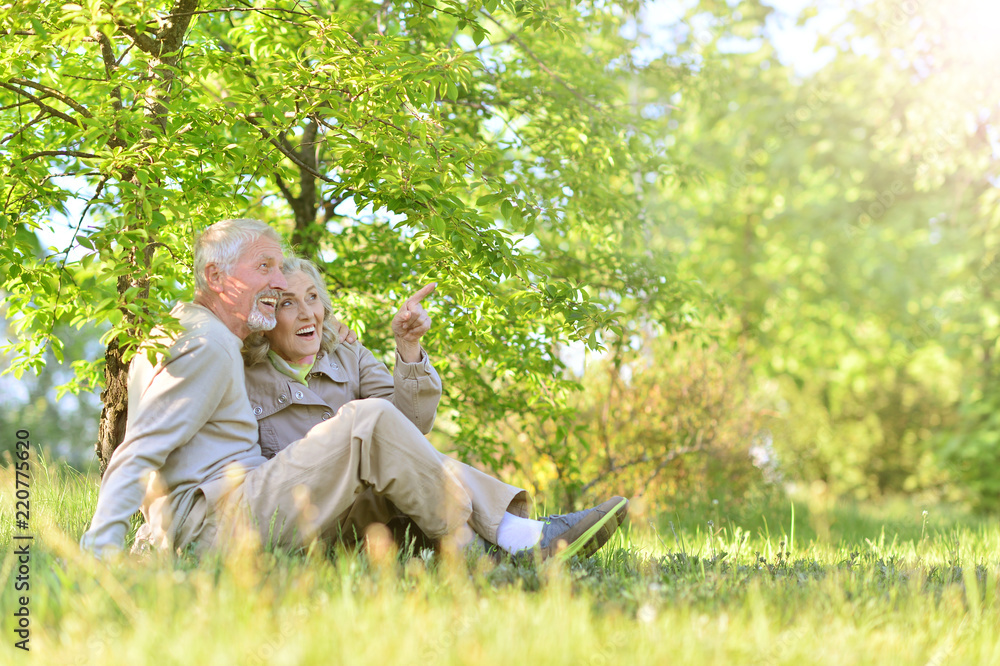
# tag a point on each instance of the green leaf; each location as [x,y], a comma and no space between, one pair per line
[506,209]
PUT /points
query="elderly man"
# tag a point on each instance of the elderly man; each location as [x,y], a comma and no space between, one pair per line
[191,424]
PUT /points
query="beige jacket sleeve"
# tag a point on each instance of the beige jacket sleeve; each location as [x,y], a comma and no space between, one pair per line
[414,388]
[177,398]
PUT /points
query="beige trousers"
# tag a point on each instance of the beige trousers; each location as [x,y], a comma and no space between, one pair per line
[367,464]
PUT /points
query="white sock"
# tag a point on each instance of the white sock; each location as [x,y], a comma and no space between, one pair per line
[516,533]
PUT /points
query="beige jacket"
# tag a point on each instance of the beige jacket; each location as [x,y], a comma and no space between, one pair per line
[286,410]
[188,420]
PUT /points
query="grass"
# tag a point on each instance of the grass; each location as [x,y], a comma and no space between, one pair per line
[856,585]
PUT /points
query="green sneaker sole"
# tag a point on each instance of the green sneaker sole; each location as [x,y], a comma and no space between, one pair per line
[584,539]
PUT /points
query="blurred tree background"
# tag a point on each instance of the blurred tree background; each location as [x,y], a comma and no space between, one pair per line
[676,263]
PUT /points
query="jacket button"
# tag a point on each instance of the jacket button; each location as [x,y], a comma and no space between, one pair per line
[335,366]
[258,411]
[282,398]
[298,395]
[326,415]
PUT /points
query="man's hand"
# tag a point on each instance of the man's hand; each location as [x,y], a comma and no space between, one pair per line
[410,324]
[344,334]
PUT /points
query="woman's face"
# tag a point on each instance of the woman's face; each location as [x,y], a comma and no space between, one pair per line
[299,331]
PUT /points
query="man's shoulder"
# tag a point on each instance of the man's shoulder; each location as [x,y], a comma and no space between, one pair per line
[200,333]
[198,321]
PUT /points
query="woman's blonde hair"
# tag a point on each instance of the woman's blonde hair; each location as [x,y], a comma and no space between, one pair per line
[256,346]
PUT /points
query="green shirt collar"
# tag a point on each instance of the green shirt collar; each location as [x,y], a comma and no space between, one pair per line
[298,372]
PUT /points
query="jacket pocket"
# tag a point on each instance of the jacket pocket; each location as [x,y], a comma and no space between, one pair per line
[269,443]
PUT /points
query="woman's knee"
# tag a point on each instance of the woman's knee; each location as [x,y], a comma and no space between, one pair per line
[385,416]
[374,406]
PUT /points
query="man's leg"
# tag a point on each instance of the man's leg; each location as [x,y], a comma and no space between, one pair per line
[370,508]
[500,515]
[310,486]
[491,499]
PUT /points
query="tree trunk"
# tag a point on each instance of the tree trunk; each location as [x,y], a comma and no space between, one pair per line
[305,235]
[115,399]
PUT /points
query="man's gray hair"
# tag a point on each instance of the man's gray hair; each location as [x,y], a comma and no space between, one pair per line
[223,242]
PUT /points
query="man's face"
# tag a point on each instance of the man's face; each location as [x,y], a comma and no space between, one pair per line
[251,290]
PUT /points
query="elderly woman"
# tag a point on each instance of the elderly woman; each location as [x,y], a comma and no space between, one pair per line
[300,374]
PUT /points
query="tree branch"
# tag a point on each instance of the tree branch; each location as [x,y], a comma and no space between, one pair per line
[61,153]
[111,63]
[227,10]
[41,114]
[156,244]
[342,131]
[62,97]
[288,153]
[144,42]
[263,10]
[285,192]
[13,106]
[37,101]
[491,45]
[439,9]
[666,460]
[558,79]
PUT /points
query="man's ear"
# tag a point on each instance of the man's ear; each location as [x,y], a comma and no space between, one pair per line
[213,277]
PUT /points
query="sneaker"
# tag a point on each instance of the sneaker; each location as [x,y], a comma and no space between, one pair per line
[620,514]
[582,532]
